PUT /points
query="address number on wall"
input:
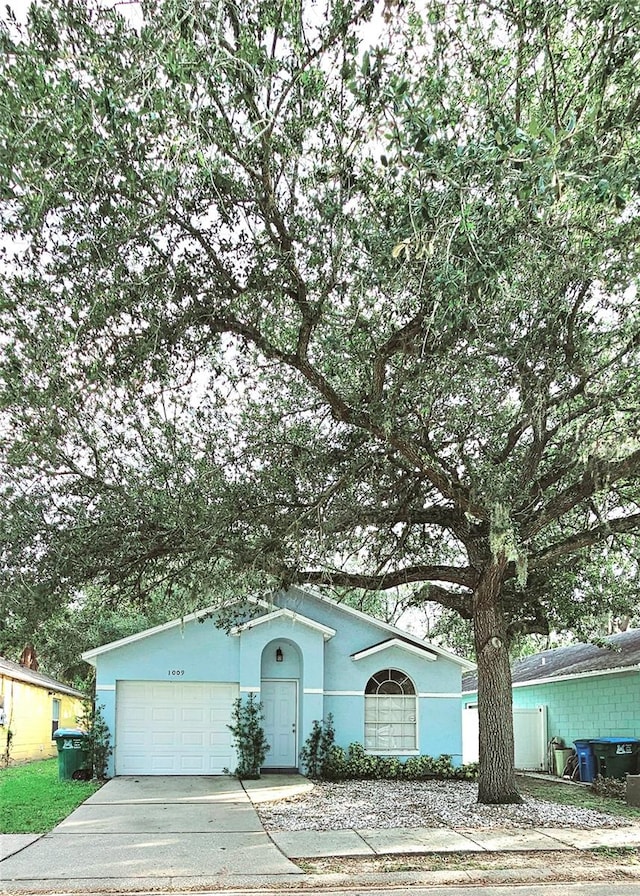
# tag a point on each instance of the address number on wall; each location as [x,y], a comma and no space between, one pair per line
[173,673]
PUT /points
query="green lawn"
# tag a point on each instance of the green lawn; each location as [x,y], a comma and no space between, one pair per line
[33,800]
[574,795]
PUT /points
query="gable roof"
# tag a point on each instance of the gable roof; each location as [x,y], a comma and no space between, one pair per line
[385,627]
[421,649]
[90,655]
[303,594]
[9,669]
[622,653]
[284,613]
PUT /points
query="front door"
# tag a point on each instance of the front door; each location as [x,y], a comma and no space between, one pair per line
[280,705]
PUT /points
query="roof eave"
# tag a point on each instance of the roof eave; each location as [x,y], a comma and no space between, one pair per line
[424,652]
[466,665]
[89,656]
[326,631]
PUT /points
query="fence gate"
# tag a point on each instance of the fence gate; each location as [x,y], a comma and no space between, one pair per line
[529,733]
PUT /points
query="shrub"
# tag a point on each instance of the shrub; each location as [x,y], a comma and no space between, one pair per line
[360,765]
[317,754]
[325,761]
[468,772]
[248,733]
[614,788]
[334,767]
[98,739]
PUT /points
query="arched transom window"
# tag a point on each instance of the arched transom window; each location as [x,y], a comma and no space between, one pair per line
[390,712]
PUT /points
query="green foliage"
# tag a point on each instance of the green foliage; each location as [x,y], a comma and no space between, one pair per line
[468,771]
[33,799]
[331,763]
[418,767]
[98,740]
[249,738]
[318,752]
[303,306]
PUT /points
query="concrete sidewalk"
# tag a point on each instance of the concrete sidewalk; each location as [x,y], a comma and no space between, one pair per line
[412,841]
[408,841]
[147,833]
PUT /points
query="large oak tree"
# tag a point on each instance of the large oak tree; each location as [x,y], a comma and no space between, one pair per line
[334,294]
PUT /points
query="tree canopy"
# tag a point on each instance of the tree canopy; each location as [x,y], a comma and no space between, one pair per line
[339,294]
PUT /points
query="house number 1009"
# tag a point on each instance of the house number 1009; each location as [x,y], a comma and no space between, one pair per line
[176,672]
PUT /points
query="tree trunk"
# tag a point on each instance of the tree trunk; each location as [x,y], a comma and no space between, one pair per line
[496,774]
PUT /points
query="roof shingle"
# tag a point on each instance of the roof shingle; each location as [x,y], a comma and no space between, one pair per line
[622,651]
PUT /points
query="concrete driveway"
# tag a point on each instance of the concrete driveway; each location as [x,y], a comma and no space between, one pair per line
[144,832]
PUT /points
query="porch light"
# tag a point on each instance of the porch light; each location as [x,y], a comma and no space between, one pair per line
[279,655]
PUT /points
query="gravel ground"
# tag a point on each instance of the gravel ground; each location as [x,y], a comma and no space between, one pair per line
[394,804]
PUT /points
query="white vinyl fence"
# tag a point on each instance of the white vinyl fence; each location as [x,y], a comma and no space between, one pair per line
[529,731]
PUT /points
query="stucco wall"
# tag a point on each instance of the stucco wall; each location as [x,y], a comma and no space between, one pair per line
[197,651]
[28,711]
[438,682]
[330,680]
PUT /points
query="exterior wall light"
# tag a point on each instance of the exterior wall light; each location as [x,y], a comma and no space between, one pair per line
[279,655]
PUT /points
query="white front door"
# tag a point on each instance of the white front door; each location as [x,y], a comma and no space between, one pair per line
[279,700]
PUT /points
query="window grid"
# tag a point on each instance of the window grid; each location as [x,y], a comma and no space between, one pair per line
[390,712]
[55,716]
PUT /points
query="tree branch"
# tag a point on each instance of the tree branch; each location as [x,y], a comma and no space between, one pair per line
[464,576]
[596,475]
[618,526]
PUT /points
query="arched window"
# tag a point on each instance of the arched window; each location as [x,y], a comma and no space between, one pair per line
[390,713]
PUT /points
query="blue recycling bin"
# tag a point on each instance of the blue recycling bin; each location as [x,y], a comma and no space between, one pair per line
[586,760]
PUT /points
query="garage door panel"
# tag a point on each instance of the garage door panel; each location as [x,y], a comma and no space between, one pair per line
[161,765]
[179,728]
[165,715]
[161,739]
[193,739]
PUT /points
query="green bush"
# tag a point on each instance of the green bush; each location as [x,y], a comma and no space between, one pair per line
[316,755]
[468,772]
[324,761]
[249,738]
[360,765]
[418,768]
[98,740]
[335,765]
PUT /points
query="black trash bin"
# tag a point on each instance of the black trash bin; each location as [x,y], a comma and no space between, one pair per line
[616,757]
[74,754]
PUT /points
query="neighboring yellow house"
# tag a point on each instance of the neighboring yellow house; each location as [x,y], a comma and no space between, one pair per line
[32,706]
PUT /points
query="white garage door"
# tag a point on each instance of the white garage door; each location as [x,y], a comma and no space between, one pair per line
[174,728]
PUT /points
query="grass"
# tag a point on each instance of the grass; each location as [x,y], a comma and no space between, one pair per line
[579,795]
[33,799]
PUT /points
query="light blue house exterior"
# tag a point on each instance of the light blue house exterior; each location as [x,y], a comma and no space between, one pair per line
[167,693]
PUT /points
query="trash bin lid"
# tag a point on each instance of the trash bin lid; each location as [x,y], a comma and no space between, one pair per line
[615,740]
[69,732]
